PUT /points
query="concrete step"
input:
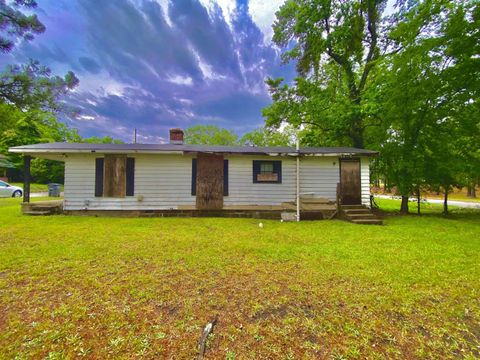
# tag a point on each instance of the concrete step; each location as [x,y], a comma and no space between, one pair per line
[361,216]
[367,221]
[38,213]
[349,207]
[357,211]
[42,208]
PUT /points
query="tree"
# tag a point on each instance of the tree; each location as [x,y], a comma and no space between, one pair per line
[100,140]
[32,86]
[28,86]
[336,45]
[270,137]
[209,135]
[427,95]
[16,25]
[30,95]
[32,127]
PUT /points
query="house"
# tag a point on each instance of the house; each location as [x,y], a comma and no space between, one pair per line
[179,177]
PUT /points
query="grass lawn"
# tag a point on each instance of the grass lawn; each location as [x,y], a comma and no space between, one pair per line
[455,194]
[144,288]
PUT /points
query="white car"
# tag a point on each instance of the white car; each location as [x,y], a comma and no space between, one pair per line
[7,190]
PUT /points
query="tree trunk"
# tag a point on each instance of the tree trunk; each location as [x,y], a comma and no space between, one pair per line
[471,192]
[418,200]
[445,202]
[404,205]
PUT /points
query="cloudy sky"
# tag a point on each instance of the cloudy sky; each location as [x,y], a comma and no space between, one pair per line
[157,64]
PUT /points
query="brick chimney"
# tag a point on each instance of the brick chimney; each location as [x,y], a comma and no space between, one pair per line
[176,136]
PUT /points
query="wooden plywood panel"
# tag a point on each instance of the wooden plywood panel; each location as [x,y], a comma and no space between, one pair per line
[114,179]
[209,181]
[350,181]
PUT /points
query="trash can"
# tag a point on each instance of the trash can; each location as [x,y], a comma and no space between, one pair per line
[54,190]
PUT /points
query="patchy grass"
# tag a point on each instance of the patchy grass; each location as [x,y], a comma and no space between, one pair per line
[144,288]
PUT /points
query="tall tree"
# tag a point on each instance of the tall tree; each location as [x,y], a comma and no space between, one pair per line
[32,86]
[426,94]
[14,24]
[336,45]
[270,137]
[28,86]
[210,135]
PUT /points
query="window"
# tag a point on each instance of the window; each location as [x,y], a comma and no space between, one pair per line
[3,184]
[266,168]
[114,176]
[194,177]
[269,172]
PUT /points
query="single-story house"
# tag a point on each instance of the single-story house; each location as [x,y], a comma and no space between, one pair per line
[177,176]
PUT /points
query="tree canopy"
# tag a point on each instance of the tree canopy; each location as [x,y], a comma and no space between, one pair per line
[17,25]
[209,135]
[406,84]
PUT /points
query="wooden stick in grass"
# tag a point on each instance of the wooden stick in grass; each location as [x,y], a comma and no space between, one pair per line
[203,340]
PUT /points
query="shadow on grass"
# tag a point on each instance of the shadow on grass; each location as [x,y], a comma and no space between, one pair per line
[391,207]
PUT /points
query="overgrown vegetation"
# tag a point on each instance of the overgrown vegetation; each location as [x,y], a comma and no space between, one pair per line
[74,287]
[403,81]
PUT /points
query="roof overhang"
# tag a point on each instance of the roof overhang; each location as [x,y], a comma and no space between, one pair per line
[58,151]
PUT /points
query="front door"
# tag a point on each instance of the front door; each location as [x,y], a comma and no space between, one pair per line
[209,183]
[351,191]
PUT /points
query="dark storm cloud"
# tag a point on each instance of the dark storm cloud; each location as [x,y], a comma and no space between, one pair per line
[142,67]
[89,64]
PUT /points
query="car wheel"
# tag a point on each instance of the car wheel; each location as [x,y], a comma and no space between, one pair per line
[17,194]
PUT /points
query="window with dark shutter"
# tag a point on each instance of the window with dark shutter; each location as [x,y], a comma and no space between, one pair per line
[130,187]
[269,172]
[225,177]
[194,176]
[99,177]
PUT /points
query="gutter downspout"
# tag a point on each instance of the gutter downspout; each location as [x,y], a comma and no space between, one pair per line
[298,179]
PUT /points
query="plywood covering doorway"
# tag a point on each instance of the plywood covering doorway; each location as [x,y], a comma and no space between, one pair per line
[350,182]
[209,183]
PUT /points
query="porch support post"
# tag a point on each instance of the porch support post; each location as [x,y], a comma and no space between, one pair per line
[298,179]
[26,178]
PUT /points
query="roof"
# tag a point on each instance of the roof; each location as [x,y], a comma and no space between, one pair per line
[65,147]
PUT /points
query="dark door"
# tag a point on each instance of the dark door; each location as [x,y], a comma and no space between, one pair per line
[209,182]
[350,181]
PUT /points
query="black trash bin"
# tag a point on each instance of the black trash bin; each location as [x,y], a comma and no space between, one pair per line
[54,190]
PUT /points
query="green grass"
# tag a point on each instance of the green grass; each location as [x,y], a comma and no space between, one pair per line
[34,187]
[91,287]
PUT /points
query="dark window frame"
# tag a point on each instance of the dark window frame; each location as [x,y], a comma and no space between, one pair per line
[277,169]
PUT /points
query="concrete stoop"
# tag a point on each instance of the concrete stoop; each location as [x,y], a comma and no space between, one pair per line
[360,214]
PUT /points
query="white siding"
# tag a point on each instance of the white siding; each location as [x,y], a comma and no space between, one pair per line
[365,180]
[161,182]
[319,175]
[242,190]
[164,182]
